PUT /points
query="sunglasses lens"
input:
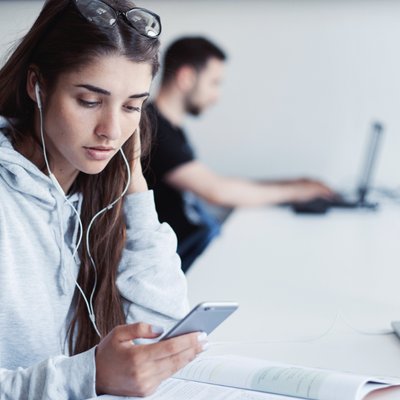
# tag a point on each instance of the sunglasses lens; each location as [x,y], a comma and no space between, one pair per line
[144,22]
[97,12]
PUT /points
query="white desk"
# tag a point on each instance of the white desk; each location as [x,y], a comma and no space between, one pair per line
[293,274]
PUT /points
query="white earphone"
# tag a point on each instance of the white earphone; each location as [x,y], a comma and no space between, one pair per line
[89,303]
[37,93]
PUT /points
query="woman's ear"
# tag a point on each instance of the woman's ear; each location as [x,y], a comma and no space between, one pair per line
[31,82]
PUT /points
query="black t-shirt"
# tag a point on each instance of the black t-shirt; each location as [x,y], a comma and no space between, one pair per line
[170,149]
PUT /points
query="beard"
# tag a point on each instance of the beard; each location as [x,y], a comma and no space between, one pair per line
[193,110]
[191,107]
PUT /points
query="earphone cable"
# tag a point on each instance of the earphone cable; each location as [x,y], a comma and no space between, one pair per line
[89,304]
[90,227]
[339,315]
[59,189]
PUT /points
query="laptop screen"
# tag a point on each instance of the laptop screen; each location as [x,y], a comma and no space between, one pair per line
[370,161]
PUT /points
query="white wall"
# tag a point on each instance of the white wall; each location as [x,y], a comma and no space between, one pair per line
[305,79]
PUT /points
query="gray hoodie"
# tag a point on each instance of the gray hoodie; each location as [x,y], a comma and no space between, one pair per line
[38,230]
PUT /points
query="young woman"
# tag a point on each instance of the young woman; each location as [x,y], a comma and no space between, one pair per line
[85,267]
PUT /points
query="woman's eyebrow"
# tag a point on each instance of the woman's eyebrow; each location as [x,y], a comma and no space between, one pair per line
[96,89]
[138,96]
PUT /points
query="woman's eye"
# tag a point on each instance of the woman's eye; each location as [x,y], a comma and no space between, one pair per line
[132,109]
[88,104]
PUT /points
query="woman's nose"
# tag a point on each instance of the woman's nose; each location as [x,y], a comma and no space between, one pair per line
[109,126]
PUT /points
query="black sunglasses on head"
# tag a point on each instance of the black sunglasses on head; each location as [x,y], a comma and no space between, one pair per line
[100,13]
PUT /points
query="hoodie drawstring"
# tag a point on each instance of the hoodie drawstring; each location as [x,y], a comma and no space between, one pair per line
[66,260]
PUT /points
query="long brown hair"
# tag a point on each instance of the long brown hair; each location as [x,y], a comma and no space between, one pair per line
[61,40]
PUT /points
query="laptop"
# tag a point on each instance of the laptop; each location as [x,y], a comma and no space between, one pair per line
[322,205]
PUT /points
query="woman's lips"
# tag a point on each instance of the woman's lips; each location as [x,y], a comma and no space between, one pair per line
[99,153]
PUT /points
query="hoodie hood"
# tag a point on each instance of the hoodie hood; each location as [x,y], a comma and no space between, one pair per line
[23,177]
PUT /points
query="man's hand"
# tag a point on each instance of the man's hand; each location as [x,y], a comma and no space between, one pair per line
[307,189]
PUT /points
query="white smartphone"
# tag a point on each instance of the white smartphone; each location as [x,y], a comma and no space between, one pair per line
[205,317]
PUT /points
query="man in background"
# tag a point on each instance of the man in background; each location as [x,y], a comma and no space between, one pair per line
[192,73]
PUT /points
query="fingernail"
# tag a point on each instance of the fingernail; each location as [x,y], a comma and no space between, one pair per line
[202,337]
[157,329]
[205,346]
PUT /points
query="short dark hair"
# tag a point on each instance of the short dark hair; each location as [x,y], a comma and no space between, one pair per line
[193,51]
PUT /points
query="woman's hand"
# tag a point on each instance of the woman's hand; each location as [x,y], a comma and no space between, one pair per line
[138,183]
[126,369]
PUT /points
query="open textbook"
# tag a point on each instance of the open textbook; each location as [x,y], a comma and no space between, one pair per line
[237,378]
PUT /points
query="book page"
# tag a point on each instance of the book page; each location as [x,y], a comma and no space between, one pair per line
[264,376]
[373,392]
[176,389]
[387,393]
